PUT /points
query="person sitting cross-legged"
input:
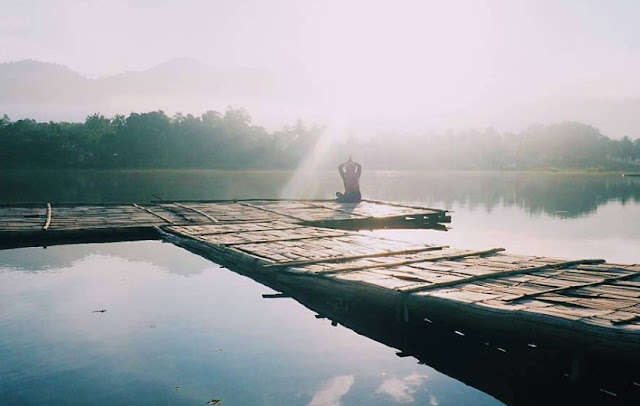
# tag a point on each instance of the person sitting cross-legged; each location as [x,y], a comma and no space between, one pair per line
[350,172]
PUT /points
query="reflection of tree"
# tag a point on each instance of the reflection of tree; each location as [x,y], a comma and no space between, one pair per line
[565,195]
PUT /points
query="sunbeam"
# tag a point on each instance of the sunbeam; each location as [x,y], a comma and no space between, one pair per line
[302,183]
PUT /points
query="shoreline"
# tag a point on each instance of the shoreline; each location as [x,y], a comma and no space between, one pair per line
[380,170]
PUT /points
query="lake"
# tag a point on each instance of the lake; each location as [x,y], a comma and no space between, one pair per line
[179,329]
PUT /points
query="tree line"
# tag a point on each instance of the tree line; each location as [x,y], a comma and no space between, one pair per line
[230,140]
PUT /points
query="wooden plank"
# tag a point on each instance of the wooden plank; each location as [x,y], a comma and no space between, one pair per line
[354,257]
[582,285]
[436,211]
[412,261]
[176,212]
[501,274]
[233,228]
[336,209]
[47,223]
[270,211]
[197,211]
[314,237]
[154,213]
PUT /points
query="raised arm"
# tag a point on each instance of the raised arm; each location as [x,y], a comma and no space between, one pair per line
[358,168]
[341,169]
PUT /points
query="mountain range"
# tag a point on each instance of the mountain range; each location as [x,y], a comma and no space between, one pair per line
[49,91]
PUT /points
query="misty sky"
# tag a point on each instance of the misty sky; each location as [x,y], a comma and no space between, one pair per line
[423,64]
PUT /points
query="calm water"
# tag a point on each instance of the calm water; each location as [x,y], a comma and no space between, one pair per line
[174,319]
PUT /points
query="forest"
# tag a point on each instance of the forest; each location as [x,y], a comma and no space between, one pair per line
[230,140]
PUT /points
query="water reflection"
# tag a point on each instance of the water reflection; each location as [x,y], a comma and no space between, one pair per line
[557,194]
[401,390]
[57,258]
[333,392]
[210,334]
[513,371]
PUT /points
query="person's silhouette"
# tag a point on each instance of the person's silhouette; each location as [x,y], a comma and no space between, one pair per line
[350,172]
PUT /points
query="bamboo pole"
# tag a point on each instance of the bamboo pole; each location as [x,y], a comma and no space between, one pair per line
[500,274]
[406,206]
[270,211]
[412,261]
[334,209]
[290,226]
[177,213]
[197,211]
[353,257]
[578,286]
[342,234]
[154,213]
[47,223]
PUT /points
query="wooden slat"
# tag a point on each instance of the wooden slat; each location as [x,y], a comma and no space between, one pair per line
[406,206]
[320,206]
[176,212]
[626,320]
[197,211]
[270,211]
[500,274]
[578,286]
[412,261]
[354,257]
[313,237]
[154,213]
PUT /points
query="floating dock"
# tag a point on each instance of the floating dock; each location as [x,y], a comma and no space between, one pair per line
[50,224]
[585,303]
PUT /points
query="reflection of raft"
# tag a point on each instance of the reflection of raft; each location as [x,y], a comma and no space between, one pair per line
[515,372]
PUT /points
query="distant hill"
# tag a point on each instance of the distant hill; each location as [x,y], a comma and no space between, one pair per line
[40,82]
[49,91]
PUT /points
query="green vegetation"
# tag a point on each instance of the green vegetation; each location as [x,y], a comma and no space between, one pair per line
[230,141]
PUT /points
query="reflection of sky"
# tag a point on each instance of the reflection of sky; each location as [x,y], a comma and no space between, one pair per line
[209,332]
[402,390]
[56,257]
[332,393]
[610,233]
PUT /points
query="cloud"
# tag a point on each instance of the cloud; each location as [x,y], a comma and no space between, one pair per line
[402,390]
[333,391]
[433,401]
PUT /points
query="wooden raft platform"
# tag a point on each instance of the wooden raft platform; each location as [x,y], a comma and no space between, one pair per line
[586,303]
[49,224]
[582,303]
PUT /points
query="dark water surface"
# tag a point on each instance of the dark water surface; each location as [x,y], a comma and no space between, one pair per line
[174,319]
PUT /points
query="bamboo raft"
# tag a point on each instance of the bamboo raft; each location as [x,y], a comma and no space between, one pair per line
[587,304]
[50,224]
